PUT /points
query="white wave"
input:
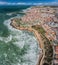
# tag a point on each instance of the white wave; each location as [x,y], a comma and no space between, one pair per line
[9,14]
[6,39]
[23,38]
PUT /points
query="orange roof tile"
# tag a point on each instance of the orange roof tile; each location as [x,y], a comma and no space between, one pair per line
[56,61]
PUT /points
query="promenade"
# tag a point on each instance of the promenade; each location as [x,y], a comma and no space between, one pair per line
[38,37]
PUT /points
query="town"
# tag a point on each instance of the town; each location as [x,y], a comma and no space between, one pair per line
[47,18]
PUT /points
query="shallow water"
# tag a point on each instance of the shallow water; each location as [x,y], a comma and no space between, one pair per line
[17,47]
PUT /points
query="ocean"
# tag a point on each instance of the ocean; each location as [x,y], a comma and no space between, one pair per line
[16,47]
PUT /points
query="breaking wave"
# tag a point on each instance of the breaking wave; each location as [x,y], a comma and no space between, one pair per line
[21,39]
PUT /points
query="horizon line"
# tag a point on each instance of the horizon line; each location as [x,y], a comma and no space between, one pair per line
[24,3]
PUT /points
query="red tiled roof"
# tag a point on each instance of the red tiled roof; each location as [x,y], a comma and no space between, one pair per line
[56,56]
[56,52]
[56,61]
[56,47]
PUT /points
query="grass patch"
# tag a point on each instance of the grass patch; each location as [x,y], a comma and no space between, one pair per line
[39,29]
[47,44]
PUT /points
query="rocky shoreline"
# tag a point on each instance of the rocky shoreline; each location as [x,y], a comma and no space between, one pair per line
[38,25]
[38,36]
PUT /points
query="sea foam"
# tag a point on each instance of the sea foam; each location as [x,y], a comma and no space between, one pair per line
[23,38]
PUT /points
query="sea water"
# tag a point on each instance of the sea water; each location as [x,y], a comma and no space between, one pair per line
[16,47]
